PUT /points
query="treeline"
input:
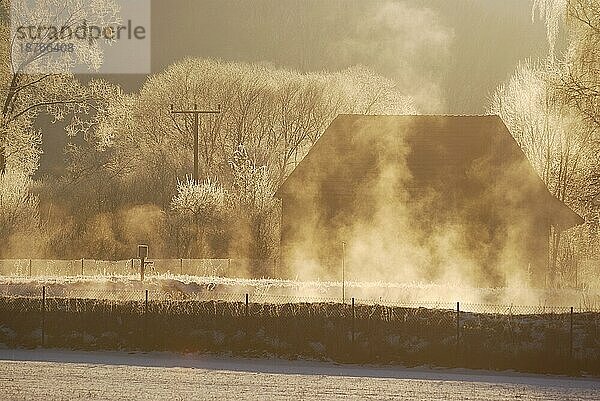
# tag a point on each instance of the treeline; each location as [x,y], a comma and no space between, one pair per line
[130,160]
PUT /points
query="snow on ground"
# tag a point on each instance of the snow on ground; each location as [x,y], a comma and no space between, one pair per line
[70,375]
[275,291]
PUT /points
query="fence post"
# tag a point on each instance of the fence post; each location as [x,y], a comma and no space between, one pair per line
[29,267]
[143,338]
[353,318]
[571,338]
[247,320]
[457,331]
[181,266]
[43,314]
[82,266]
[246,304]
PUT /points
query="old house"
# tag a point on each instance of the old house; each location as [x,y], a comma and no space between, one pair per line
[425,189]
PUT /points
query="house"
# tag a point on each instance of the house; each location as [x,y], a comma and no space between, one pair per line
[431,192]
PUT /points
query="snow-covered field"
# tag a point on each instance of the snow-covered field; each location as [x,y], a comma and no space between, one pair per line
[66,375]
[277,291]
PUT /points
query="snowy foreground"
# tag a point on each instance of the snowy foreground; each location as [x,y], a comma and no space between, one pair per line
[67,375]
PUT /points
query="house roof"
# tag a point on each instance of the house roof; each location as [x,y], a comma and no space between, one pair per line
[452,154]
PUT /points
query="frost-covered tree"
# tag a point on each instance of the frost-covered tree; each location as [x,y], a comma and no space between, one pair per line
[276,113]
[256,210]
[552,12]
[136,151]
[35,82]
[579,75]
[205,201]
[554,140]
[558,145]
[252,189]
[19,216]
[553,111]
[38,81]
[200,207]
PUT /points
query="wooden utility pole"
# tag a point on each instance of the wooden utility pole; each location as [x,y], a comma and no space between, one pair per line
[196,113]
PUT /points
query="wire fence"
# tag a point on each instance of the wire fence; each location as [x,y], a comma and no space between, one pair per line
[559,339]
[263,296]
[91,267]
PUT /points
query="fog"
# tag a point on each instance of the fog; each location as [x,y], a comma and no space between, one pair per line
[438,57]
[459,206]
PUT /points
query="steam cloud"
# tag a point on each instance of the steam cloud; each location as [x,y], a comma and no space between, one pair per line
[408,40]
[396,232]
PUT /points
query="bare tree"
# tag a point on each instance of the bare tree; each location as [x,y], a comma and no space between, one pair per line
[28,82]
[276,113]
[137,151]
[555,142]
[552,109]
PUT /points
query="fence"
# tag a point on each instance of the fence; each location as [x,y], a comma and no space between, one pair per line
[91,267]
[533,338]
